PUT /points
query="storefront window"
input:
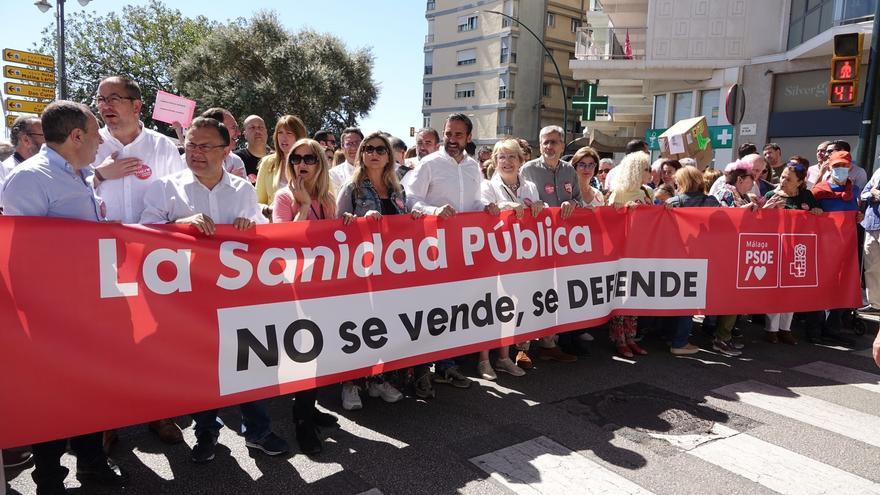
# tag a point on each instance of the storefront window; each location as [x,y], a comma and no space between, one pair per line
[684,106]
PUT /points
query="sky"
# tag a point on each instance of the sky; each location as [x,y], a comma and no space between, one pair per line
[394,29]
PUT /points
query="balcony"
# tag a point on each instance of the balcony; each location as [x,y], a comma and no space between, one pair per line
[429,69]
[504,93]
[429,38]
[610,43]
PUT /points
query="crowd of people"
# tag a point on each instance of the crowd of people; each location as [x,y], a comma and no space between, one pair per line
[65,165]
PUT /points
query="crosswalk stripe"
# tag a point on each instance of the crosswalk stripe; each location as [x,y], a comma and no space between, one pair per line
[842,374]
[817,412]
[542,466]
[779,469]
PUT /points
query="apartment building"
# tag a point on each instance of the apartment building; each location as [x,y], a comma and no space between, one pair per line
[684,56]
[491,68]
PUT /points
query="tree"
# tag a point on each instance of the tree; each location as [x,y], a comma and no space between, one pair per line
[144,43]
[258,67]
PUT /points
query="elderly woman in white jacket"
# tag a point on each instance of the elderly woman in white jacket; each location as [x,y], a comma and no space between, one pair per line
[508,191]
[506,188]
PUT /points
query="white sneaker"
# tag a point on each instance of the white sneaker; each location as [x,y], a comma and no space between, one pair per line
[351,398]
[384,390]
[486,372]
[508,366]
[586,337]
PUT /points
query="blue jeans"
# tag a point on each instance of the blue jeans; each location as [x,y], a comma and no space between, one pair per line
[255,421]
[678,329]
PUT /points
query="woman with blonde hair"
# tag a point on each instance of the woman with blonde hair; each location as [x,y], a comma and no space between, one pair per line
[307,195]
[270,170]
[628,188]
[372,192]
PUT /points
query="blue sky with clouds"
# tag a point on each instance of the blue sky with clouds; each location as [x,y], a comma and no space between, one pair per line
[394,29]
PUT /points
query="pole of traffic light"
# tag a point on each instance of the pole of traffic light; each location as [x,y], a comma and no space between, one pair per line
[868,129]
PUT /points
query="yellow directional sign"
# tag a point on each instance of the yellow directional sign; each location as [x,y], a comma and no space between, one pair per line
[10,119]
[28,58]
[15,89]
[13,105]
[22,74]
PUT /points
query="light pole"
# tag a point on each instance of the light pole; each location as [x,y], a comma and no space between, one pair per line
[44,6]
[555,66]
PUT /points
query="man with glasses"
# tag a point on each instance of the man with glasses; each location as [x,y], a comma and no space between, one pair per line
[26,134]
[856,173]
[557,184]
[326,139]
[130,158]
[340,174]
[605,166]
[231,162]
[205,195]
[255,136]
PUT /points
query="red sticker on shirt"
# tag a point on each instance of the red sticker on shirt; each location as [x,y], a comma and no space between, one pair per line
[549,188]
[567,187]
[527,202]
[399,203]
[103,208]
[144,172]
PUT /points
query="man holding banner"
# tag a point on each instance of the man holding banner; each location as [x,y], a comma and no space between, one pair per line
[53,184]
[203,196]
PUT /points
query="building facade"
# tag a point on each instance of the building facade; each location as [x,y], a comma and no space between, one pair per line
[686,54]
[491,68]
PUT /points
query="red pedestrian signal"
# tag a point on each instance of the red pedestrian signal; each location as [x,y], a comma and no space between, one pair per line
[843,90]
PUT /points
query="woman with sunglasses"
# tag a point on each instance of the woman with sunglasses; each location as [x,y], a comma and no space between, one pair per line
[306,197]
[270,171]
[585,161]
[372,192]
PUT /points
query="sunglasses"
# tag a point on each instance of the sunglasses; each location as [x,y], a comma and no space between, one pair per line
[379,150]
[604,170]
[307,159]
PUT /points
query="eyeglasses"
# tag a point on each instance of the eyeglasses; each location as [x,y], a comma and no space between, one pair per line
[204,148]
[351,144]
[604,170]
[379,150]
[306,159]
[113,99]
[328,141]
[584,165]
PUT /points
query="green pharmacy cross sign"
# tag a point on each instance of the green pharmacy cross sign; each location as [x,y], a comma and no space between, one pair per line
[589,101]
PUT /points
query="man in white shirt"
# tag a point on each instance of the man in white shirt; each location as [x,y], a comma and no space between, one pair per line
[447,182]
[205,195]
[351,141]
[132,157]
[427,142]
[26,134]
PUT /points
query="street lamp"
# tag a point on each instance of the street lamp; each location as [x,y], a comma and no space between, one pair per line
[44,7]
[555,66]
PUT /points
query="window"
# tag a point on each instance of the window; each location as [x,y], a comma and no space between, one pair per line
[508,9]
[502,87]
[683,106]
[465,90]
[660,111]
[551,19]
[709,105]
[508,50]
[429,63]
[428,94]
[467,57]
[467,23]
[575,25]
[426,121]
[431,5]
[809,18]
[545,90]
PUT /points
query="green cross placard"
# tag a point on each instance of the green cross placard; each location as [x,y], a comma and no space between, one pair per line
[590,102]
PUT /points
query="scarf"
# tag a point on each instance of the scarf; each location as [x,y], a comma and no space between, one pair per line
[823,190]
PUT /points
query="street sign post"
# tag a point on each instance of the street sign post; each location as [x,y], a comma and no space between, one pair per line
[22,74]
[16,89]
[24,106]
[28,58]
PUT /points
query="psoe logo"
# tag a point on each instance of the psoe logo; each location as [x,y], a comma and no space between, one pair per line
[800,260]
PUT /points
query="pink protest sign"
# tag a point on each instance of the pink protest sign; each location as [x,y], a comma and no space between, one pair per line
[170,108]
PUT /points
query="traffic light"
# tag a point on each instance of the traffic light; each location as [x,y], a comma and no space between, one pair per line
[843,90]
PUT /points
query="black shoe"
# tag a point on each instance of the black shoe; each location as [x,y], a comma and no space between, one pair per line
[325,420]
[307,438]
[271,444]
[101,472]
[869,310]
[577,348]
[203,450]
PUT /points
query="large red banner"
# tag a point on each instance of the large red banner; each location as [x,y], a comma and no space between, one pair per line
[106,325]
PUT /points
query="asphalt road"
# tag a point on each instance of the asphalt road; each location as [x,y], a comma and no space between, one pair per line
[778,419]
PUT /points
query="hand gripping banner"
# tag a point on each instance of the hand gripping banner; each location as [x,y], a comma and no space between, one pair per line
[107,325]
